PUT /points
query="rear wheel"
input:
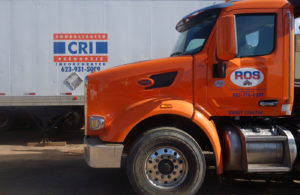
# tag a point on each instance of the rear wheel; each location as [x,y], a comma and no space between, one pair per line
[166,160]
[73,120]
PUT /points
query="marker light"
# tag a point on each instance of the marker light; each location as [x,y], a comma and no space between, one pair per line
[166,106]
[31,93]
[96,123]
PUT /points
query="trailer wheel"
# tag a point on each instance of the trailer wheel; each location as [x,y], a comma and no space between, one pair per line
[166,160]
[73,120]
[6,119]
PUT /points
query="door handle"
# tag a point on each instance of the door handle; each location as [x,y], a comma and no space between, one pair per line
[268,103]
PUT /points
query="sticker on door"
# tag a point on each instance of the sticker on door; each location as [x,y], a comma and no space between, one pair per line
[247,77]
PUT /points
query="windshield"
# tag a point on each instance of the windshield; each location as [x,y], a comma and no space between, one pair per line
[197,31]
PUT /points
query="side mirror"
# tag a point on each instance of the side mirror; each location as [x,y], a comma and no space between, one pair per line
[226,38]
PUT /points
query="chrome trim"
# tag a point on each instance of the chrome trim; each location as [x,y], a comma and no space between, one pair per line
[166,167]
[98,154]
[42,100]
[290,146]
[268,103]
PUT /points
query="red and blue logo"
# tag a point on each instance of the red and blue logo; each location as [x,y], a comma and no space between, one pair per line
[247,77]
[80,49]
[80,52]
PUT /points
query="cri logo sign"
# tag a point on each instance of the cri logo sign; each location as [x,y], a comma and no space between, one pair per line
[80,47]
[246,77]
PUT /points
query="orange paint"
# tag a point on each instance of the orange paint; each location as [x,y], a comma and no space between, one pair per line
[118,94]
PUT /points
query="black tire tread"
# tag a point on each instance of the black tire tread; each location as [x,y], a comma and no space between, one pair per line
[155,136]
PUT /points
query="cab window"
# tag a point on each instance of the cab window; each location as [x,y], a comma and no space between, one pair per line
[255,34]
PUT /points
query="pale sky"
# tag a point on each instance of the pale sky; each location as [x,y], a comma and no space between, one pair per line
[297,24]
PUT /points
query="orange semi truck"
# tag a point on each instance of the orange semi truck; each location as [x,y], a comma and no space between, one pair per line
[229,87]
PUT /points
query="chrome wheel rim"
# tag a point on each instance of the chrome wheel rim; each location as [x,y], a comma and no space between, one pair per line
[166,167]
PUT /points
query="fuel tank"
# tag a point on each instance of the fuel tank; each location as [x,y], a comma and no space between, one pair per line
[258,148]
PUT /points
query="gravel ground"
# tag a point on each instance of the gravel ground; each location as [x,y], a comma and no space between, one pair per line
[62,170]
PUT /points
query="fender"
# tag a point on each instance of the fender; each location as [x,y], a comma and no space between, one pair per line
[139,111]
[132,115]
[210,130]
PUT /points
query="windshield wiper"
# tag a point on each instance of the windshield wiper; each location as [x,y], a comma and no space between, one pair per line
[178,53]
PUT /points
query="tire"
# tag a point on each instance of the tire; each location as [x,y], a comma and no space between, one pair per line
[166,160]
[6,119]
[73,120]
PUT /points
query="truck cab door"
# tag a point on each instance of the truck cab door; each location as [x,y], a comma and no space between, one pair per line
[254,82]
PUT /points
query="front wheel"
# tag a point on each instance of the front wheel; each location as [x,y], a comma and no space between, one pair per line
[166,160]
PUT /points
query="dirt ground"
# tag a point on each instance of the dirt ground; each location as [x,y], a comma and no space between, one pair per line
[62,170]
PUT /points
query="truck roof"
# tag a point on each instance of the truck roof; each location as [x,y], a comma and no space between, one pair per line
[241,4]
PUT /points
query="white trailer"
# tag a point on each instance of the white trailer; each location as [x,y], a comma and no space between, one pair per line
[49,46]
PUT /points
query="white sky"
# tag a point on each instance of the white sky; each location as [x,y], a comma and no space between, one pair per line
[297,25]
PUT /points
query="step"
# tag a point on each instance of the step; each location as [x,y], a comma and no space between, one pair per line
[266,138]
[266,168]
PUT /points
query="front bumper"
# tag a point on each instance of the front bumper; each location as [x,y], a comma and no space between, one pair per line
[98,154]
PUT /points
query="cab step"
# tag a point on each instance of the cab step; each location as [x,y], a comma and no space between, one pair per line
[266,168]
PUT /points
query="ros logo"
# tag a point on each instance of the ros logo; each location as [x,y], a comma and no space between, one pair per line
[246,77]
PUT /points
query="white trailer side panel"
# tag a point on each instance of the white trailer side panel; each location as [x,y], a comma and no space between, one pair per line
[135,30]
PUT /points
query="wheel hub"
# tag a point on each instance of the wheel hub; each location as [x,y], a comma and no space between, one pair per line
[166,167]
